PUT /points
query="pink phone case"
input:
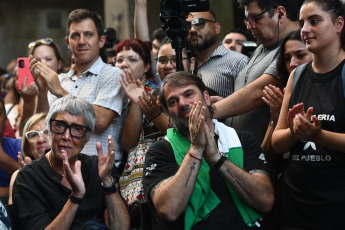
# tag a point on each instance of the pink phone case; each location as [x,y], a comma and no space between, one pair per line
[24,71]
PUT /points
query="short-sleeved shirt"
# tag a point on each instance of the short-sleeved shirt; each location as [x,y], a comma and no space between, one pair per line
[263,61]
[11,147]
[39,196]
[160,164]
[99,85]
[220,70]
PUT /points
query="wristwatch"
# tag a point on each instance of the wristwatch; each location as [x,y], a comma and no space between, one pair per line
[110,188]
[221,160]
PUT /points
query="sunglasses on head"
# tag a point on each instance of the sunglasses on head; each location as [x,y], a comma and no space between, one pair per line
[45,41]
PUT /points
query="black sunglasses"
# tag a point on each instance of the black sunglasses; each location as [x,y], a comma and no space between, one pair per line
[199,23]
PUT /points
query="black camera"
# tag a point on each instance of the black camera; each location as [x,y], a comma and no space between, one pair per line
[181,8]
[21,63]
[248,48]
[174,14]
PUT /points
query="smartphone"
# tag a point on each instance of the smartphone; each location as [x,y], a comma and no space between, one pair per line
[24,71]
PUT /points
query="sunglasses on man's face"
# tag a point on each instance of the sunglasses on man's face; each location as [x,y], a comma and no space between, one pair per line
[45,41]
[199,23]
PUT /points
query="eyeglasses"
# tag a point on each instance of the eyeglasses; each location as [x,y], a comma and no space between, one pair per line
[45,41]
[164,60]
[253,20]
[34,135]
[131,60]
[199,23]
[75,130]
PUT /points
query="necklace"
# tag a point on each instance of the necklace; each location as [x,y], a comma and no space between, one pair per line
[48,158]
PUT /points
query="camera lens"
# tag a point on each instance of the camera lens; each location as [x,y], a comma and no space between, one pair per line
[21,63]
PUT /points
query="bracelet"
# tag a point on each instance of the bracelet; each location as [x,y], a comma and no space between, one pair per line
[199,159]
[109,189]
[156,116]
[108,194]
[221,161]
[75,199]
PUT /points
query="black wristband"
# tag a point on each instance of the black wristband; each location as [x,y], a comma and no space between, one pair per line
[155,116]
[110,189]
[220,162]
[75,199]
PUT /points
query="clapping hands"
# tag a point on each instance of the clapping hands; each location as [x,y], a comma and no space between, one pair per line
[304,126]
[274,99]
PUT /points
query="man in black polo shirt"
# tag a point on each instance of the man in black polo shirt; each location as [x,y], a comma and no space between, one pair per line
[191,179]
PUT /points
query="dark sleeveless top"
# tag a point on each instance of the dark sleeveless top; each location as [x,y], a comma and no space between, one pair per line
[313,185]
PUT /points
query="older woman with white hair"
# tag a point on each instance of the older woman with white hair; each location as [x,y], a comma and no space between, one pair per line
[64,188]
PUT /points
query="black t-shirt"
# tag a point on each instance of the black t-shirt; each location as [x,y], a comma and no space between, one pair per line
[313,185]
[39,196]
[160,164]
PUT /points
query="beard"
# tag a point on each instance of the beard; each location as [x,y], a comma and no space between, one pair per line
[206,43]
[182,124]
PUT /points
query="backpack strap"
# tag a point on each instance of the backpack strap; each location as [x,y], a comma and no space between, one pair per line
[298,72]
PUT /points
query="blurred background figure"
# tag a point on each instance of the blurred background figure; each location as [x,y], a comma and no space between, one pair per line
[34,143]
[46,50]
[108,52]
[9,148]
[233,39]
[292,53]
[158,37]
[11,100]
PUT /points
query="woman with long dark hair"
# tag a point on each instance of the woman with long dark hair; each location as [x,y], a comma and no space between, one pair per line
[311,125]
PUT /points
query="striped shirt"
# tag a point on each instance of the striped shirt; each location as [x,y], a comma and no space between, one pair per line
[220,70]
[99,85]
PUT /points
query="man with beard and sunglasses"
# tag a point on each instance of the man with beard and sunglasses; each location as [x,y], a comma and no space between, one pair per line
[204,174]
[217,66]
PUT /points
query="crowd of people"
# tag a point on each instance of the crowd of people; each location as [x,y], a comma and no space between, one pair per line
[231,142]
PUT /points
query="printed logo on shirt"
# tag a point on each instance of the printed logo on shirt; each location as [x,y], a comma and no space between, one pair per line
[309,144]
[318,158]
[262,157]
[325,117]
[310,147]
[150,169]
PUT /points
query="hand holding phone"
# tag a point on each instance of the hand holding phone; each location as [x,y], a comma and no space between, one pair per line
[24,71]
